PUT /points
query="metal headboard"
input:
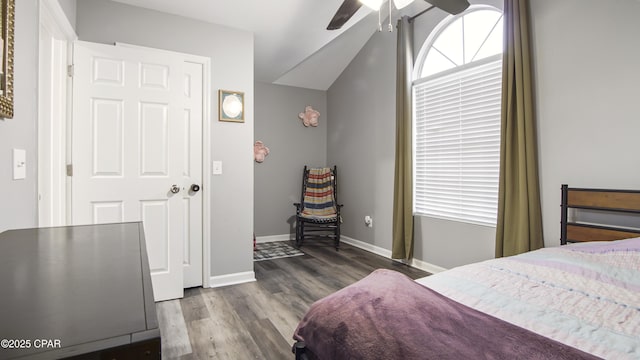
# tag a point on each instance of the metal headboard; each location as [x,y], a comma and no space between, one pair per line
[612,201]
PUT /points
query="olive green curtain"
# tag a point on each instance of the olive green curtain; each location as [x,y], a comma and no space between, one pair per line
[402,247]
[519,225]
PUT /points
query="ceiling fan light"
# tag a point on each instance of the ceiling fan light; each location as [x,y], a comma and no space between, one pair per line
[372,4]
[401,3]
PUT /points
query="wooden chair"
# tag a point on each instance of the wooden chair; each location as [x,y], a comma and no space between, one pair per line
[318,212]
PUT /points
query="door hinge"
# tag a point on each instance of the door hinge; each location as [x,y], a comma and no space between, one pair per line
[70,170]
[70,70]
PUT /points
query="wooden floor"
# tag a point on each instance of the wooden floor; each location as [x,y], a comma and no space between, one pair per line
[256,320]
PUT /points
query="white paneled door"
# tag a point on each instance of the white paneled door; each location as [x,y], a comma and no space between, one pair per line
[131,146]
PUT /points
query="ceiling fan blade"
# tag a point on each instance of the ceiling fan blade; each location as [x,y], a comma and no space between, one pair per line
[451,6]
[344,13]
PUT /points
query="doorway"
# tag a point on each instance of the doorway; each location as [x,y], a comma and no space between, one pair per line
[193,115]
[137,145]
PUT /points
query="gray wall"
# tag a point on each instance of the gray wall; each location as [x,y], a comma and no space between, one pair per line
[69,7]
[277,181]
[18,208]
[361,139]
[585,58]
[231,53]
[588,89]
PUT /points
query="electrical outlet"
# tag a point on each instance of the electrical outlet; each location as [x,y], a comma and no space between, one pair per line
[368,221]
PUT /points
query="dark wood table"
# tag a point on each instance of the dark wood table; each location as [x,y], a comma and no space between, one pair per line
[78,291]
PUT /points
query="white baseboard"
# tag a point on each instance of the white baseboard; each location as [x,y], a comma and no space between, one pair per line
[272,238]
[232,279]
[425,266]
[418,264]
[366,246]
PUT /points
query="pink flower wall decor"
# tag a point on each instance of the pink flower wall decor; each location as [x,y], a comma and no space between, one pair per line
[309,117]
[260,151]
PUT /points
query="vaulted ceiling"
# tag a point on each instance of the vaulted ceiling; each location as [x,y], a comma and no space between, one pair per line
[292,45]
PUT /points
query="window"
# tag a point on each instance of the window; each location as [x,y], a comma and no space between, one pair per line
[457,104]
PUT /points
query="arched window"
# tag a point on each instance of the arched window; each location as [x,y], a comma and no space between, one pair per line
[457,102]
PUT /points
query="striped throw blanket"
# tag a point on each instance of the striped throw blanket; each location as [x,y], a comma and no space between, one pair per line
[319,200]
[583,295]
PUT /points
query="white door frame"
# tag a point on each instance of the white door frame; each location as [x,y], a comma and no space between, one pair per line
[206,154]
[53,125]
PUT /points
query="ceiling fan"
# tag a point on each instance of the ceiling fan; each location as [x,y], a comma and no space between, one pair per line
[349,7]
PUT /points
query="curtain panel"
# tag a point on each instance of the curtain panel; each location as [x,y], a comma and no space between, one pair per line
[519,224]
[402,247]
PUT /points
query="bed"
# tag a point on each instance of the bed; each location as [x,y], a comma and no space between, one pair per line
[576,301]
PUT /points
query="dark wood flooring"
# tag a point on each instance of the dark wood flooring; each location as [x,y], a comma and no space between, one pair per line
[256,320]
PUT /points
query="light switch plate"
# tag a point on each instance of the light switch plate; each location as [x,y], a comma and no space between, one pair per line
[19,164]
[217,168]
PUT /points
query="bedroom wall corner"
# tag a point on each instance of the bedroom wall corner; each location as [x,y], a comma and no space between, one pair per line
[278,180]
[361,139]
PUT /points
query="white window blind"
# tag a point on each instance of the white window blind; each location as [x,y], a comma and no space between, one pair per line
[457,143]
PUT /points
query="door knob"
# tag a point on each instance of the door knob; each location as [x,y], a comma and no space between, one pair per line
[195,187]
[175,189]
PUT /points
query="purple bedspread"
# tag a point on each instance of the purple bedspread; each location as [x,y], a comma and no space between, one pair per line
[389,316]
